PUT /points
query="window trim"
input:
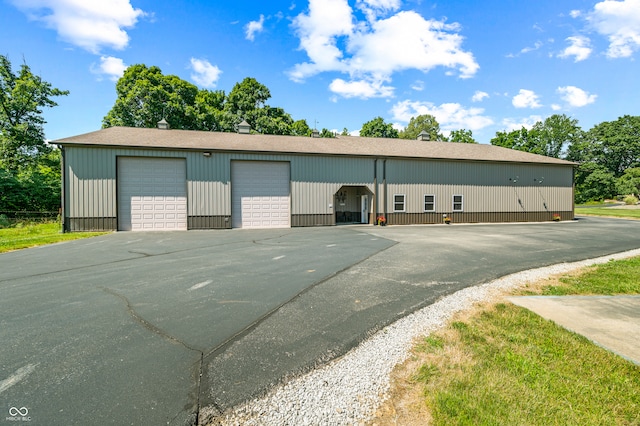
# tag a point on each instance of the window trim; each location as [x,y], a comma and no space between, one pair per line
[433,202]
[404,203]
[453,203]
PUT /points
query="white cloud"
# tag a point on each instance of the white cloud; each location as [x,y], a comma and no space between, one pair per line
[318,32]
[373,50]
[408,41]
[537,45]
[418,86]
[526,99]
[512,124]
[575,13]
[204,74]
[556,107]
[112,67]
[90,25]
[450,116]
[361,88]
[376,8]
[254,27]
[619,21]
[575,96]
[479,96]
[579,48]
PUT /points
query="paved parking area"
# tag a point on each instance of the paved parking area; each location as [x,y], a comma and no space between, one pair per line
[145,328]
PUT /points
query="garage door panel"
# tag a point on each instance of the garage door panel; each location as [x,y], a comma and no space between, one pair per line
[147,189]
[260,194]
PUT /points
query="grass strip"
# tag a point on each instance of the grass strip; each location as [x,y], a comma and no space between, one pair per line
[501,364]
[608,212]
[25,235]
[508,366]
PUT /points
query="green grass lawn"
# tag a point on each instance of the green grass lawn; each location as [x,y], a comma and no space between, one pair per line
[501,364]
[24,235]
[508,366]
[607,211]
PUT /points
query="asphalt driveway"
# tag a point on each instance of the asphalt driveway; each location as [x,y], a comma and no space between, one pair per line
[146,328]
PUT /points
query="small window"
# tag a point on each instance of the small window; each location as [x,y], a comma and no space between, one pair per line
[429,203]
[398,203]
[457,203]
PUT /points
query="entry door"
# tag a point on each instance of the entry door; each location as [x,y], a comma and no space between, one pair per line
[364,209]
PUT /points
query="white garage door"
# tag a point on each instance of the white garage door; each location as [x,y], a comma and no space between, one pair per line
[260,194]
[152,194]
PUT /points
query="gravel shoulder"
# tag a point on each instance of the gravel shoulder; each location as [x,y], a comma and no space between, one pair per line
[350,389]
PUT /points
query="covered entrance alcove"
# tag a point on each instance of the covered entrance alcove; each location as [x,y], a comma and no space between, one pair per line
[353,204]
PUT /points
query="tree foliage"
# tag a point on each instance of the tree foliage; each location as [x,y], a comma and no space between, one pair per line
[608,155]
[145,96]
[549,137]
[29,167]
[629,182]
[300,128]
[614,144]
[326,133]
[462,136]
[426,123]
[247,96]
[377,128]
[22,98]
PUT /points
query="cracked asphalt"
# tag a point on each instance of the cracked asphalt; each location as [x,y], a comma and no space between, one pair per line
[149,328]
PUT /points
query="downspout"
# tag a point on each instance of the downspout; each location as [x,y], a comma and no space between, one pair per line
[375,191]
[573,192]
[384,185]
[63,185]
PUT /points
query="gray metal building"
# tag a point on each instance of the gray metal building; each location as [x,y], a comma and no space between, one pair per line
[151,179]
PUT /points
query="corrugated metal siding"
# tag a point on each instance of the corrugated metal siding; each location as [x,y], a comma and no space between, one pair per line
[208,185]
[91,188]
[91,173]
[342,170]
[475,217]
[486,187]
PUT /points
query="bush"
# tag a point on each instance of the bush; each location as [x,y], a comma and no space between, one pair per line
[4,222]
[630,200]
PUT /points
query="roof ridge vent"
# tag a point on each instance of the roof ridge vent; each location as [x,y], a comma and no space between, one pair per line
[423,136]
[244,128]
[163,125]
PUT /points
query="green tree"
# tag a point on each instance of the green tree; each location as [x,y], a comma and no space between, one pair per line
[629,182]
[462,136]
[549,137]
[22,98]
[594,182]
[245,97]
[345,132]
[326,133]
[377,128]
[604,153]
[521,140]
[556,133]
[614,144]
[12,193]
[269,120]
[146,96]
[208,112]
[426,123]
[300,128]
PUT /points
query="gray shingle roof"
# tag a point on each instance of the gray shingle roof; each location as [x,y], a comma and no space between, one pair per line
[342,145]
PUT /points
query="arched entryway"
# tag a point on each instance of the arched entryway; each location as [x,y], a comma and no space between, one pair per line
[353,205]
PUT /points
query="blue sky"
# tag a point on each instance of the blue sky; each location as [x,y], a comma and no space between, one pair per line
[486,65]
